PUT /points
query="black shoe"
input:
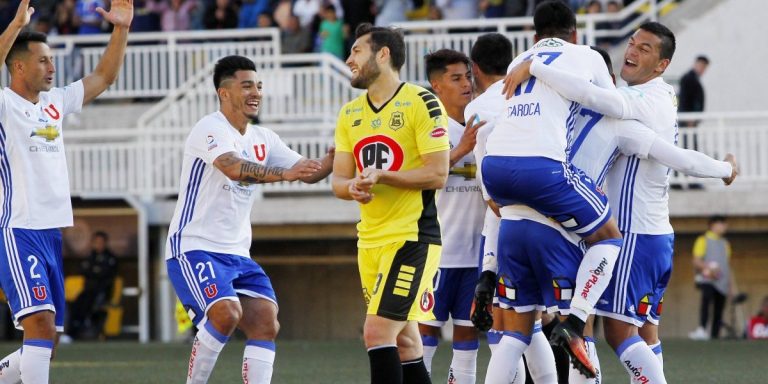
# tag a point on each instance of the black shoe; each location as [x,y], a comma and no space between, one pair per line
[568,336]
[482,304]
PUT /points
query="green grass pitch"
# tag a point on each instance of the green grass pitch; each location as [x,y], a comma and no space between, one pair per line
[337,362]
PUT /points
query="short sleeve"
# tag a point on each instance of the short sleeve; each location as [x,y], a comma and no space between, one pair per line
[430,125]
[341,138]
[279,154]
[208,140]
[634,138]
[700,247]
[73,97]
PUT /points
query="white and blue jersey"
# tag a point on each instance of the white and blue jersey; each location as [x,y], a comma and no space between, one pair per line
[35,200]
[526,160]
[207,251]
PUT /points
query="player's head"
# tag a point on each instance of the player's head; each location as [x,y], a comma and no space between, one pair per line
[553,18]
[701,64]
[718,224]
[491,54]
[449,75]
[376,49]
[30,62]
[99,241]
[237,85]
[607,58]
[649,52]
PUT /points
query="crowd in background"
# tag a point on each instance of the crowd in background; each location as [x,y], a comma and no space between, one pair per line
[306,25]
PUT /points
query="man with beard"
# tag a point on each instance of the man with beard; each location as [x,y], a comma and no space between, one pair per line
[207,252]
[392,154]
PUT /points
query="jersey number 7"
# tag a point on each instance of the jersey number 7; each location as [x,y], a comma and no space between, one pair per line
[550,57]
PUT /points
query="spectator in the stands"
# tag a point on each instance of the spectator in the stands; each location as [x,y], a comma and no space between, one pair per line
[221,15]
[250,11]
[458,9]
[89,21]
[389,12]
[594,6]
[293,38]
[64,18]
[306,10]
[283,11]
[144,19]
[356,12]
[331,32]
[175,15]
[265,20]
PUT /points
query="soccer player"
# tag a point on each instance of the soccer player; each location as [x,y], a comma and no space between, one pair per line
[461,209]
[526,163]
[207,251]
[392,154]
[35,184]
[634,300]
[491,55]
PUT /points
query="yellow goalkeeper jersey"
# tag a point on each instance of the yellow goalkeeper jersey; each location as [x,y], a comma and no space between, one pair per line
[393,137]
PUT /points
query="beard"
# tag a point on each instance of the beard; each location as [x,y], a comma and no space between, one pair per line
[367,75]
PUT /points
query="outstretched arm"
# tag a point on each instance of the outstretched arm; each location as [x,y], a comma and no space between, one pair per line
[120,15]
[326,166]
[23,15]
[693,163]
[239,169]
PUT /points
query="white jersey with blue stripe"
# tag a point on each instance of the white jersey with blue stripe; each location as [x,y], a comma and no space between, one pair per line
[213,212]
[638,188]
[538,121]
[33,165]
[461,209]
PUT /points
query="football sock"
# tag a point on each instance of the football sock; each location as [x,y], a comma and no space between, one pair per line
[414,372]
[258,359]
[10,368]
[656,348]
[540,359]
[385,365]
[35,361]
[494,336]
[205,350]
[640,362]
[464,363]
[574,377]
[430,347]
[511,348]
[594,273]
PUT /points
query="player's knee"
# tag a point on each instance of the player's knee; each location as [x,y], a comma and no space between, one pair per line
[375,336]
[40,325]
[271,329]
[225,317]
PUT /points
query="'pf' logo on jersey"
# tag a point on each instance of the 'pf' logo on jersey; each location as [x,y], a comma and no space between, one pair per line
[380,152]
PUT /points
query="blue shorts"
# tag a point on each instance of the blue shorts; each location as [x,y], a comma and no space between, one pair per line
[203,278]
[31,273]
[454,291]
[533,257]
[557,190]
[642,274]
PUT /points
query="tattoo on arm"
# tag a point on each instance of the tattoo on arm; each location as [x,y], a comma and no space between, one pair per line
[256,173]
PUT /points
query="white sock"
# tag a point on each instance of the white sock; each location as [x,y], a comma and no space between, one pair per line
[594,273]
[464,363]
[430,347]
[10,368]
[258,361]
[35,362]
[511,348]
[656,348]
[520,374]
[494,337]
[205,350]
[640,362]
[574,377]
[540,359]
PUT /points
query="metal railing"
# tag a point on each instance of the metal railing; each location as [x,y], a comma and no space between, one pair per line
[148,162]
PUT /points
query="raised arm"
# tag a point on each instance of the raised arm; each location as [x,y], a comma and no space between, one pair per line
[23,15]
[239,169]
[431,175]
[120,15]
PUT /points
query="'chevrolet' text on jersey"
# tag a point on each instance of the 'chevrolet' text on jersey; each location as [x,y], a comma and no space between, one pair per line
[461,208]
[394,137]
[538,121]
[213,211]
[33,165]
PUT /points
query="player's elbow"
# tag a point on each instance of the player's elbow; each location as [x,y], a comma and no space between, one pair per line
[232,173]
[439,178]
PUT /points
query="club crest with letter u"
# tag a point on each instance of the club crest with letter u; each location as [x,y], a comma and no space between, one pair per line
[211,291]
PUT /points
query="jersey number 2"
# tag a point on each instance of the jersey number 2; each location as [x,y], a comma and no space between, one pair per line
[550,57]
